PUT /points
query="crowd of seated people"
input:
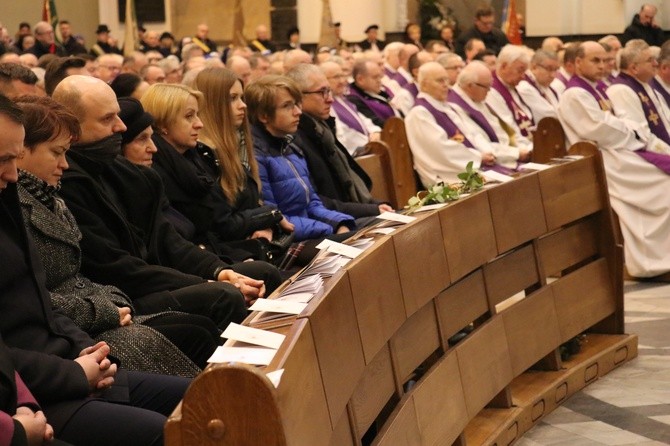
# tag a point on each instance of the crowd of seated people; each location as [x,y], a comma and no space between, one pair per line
[140,199]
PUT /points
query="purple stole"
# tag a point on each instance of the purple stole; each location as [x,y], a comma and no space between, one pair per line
[520,117]
[474,114]
[598,93]
[532,82]
[346,115]
[412,88]
[382,109]
[660,160]
[444,121]
[562,78]
[610,79]
[650,111]
[400,79]
[602,86]
[389,73]
[656,85]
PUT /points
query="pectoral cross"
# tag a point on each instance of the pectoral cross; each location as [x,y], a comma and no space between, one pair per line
[604,106]
[458,137]
[653,117]
[644,98]
[525,125]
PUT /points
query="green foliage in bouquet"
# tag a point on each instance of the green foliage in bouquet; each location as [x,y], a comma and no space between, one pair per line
[471,181]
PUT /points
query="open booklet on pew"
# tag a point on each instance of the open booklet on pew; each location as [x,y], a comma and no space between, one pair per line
[294,296]
[387,222]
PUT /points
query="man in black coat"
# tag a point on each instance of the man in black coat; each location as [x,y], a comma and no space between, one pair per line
[340,182]
[644,27]
[483,29]
[371,42]
[75,379]
[45,42]
[127,241]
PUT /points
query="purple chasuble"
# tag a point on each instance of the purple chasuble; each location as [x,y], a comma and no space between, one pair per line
[379,107]
[660,160]
[474,114]
[345,113]
[650,111]
[520,116]
[656,85]
[444,121]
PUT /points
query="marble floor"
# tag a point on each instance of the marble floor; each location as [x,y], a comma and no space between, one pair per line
[630,405]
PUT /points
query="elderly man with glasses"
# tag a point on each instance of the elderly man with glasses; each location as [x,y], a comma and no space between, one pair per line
[353,129]
[339,181]
[45,43]
[535,87]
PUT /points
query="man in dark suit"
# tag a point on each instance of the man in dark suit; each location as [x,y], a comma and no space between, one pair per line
[45,41]
[76,380]
[371,42]
[483,29]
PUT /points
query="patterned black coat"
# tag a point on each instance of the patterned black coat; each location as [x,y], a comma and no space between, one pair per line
[92,306]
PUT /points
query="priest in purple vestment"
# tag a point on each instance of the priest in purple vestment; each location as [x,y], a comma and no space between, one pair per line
[634,100]
[636,177]
[439,146]
[353,129]
[367,95]
[504,98]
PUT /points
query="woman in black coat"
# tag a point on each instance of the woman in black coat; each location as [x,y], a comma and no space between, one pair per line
[216,189]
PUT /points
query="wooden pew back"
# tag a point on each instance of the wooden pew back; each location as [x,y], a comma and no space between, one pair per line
[525,266]
[395,136]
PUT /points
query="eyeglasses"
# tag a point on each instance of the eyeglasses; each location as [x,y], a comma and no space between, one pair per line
[549,69]
[324,92]
[110,67]
[289,106]
[485,87]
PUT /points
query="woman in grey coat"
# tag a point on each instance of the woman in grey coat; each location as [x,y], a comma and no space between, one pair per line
[167,343]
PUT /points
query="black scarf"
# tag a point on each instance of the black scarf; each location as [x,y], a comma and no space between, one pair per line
[102,151]
[187,170]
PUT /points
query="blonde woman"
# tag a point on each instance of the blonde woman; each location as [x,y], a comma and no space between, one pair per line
[190,175]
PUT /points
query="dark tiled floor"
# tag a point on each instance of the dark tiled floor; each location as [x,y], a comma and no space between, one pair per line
[630,405]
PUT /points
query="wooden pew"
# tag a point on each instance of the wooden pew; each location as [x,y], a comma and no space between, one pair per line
[395,136]
[548,141]
[527,265]
[377,164]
